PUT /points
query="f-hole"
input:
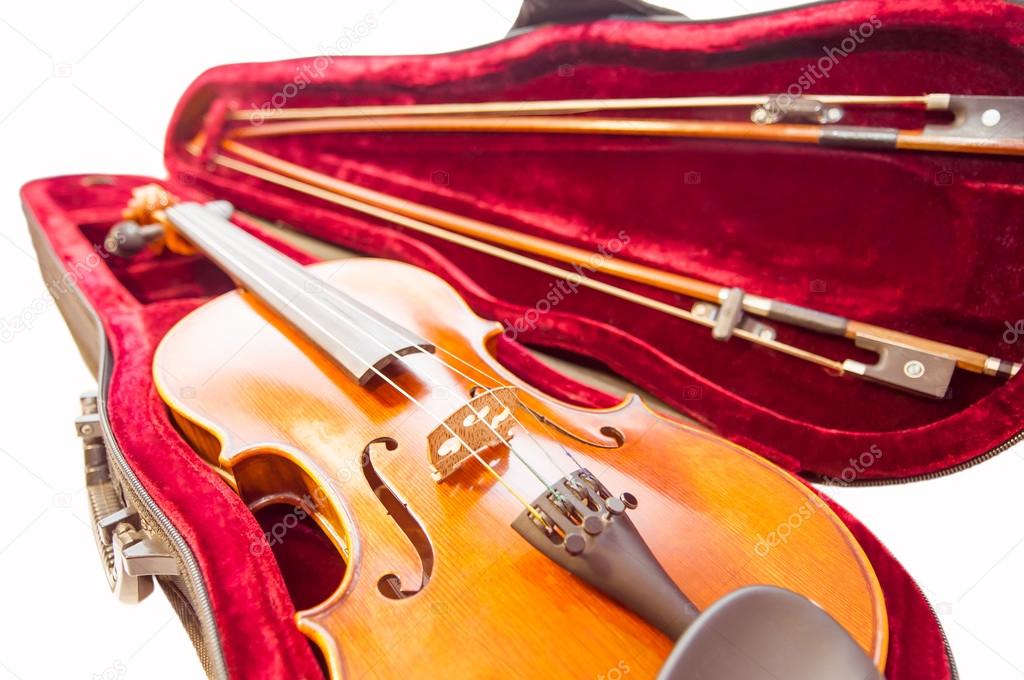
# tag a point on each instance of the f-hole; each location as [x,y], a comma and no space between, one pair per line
[390,585]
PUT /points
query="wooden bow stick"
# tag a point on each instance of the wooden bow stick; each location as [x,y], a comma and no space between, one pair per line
[981,124]
[779,103]
[905,361]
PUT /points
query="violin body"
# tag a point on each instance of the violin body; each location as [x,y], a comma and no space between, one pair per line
[283,423]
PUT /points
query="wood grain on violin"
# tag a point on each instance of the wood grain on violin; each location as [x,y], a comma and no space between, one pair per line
[286,422]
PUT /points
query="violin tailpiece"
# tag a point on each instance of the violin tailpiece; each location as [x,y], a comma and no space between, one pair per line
[586,531]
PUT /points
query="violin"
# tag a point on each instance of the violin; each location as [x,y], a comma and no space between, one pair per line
[486,528]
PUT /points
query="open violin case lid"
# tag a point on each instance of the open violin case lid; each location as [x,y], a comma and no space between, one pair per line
[922,243]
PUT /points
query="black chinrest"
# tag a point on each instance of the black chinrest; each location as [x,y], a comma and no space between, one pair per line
[767,633]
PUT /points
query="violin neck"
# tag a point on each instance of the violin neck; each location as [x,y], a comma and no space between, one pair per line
[359,339]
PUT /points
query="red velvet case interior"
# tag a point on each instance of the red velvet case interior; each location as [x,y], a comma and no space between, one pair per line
[928,244]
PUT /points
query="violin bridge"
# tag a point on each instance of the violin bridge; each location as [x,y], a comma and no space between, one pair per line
[484,421]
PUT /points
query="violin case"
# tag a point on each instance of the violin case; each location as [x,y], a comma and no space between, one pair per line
[923,243]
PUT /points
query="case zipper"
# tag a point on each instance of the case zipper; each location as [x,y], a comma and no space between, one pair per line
[130,486]
[959,467]
[190,569]
[152,514]
[954,673]
[981,458]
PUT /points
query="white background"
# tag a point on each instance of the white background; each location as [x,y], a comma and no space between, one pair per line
[89,87]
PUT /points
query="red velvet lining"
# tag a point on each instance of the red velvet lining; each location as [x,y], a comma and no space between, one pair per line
[251,604]
[825,228]
[250,596]
[306,545]
[771,219]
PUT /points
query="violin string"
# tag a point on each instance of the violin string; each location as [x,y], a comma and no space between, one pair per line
[301,187]
[266,175]
[416,402]
[248,242]
[497,383]
[545,423]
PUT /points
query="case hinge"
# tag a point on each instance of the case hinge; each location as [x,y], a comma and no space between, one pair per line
[131,555]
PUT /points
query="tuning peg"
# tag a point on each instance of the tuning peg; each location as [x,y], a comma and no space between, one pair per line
[128,237]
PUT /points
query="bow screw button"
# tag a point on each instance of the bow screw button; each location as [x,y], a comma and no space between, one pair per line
[990,117]
[913,369]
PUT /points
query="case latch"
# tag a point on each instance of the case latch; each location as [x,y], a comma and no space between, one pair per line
[131,555]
